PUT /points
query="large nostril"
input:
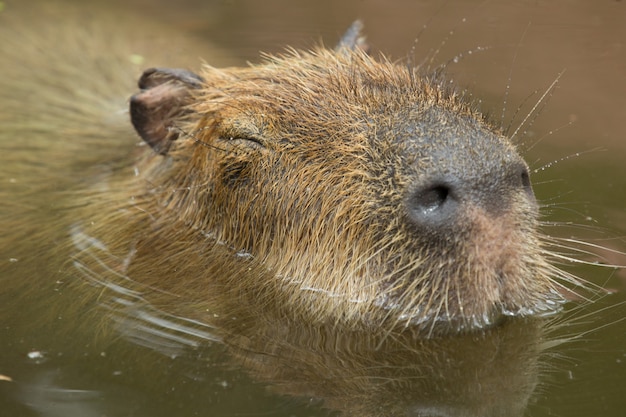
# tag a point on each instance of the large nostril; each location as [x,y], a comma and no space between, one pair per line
[440,202]
[525,178]
[431,199]
[525,182]
[433,204]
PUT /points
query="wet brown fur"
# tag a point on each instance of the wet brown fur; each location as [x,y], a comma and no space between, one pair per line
[284,197]
[279,195]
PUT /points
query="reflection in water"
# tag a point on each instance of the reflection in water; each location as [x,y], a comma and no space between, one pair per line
[485,373]
[131,315]
[43,395]
[492,373]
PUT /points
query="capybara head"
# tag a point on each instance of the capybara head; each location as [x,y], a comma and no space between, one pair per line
[337,188]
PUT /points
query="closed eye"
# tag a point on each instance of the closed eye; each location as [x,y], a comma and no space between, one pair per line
[249,142]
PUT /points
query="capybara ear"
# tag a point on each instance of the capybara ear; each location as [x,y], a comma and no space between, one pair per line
[164,94]
[353,39]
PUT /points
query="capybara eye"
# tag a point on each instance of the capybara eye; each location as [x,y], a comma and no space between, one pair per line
[246,142]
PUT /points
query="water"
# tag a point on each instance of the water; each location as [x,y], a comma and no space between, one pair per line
[579,178]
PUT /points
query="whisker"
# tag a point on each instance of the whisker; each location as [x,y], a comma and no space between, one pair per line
[549,133]
[582,320]
[541,100]
[518,109]
[565,158]
[594,246]
[508,82]
[430,58]
[412,50]
[458,57]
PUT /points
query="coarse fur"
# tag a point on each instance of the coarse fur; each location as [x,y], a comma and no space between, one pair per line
[284,209]
[287,191]
[287,187]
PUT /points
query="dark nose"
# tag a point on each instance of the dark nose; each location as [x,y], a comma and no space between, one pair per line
[440,201]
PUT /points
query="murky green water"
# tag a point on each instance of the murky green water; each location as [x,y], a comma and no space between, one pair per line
[576,146]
